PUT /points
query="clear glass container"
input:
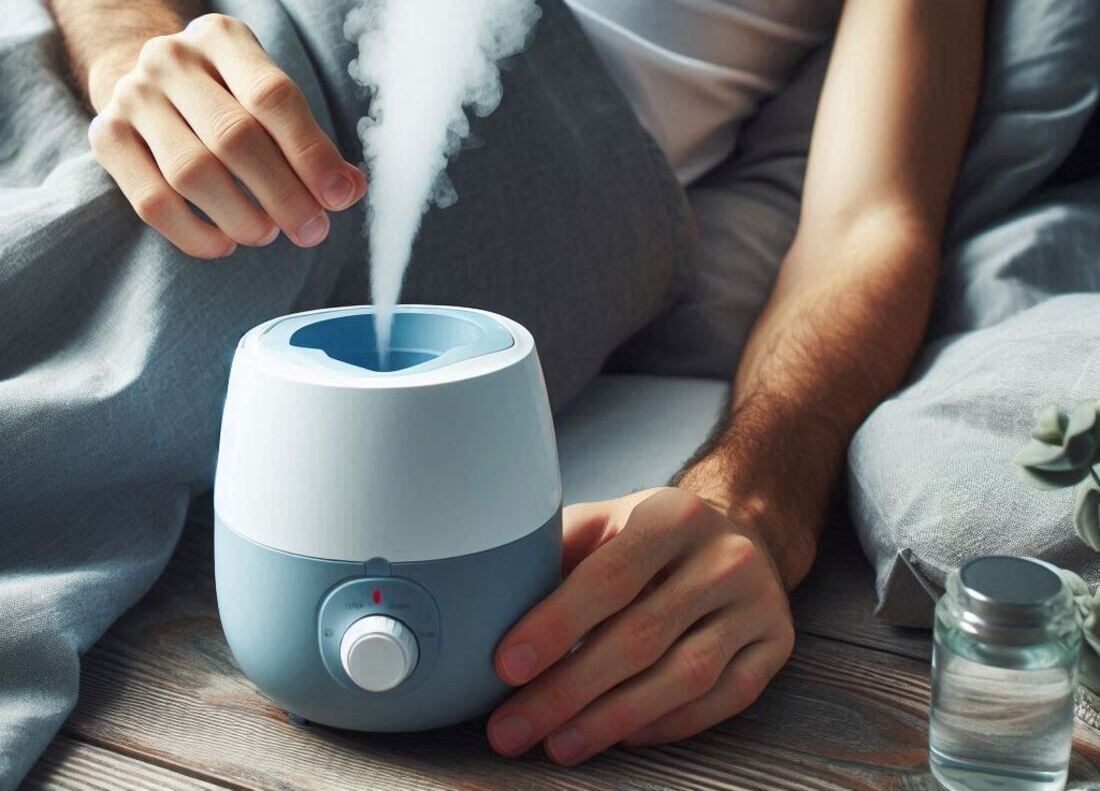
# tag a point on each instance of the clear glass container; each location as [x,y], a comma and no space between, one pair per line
[1004,672]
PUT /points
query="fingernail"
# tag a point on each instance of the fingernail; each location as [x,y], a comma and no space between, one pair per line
[337,190]
[510,734]
[566,745]
[314,230]
[271,237]
[232,249]
[519,663]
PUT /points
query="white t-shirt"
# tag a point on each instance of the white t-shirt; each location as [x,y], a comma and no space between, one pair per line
[695,69]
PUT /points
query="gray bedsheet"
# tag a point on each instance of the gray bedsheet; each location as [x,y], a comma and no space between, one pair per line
[114,348]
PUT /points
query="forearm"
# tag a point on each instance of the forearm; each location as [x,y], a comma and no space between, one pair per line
[102,37]
[838,335]
[855,290]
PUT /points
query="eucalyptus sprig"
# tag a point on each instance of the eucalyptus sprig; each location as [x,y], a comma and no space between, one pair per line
[1064,451]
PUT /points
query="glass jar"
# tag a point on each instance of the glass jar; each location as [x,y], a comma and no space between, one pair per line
[1004,671]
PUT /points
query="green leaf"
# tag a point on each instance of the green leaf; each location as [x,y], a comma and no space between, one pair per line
[1051,479]
[1041,455]
[1086,514]
[1050,422]
[1080,440]
[1081,419]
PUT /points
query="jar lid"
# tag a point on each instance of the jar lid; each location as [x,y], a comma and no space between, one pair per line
[1011,600]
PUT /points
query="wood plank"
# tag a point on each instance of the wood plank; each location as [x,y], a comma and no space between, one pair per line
[162,686]
[835,720]
[839,717]
[837,600]
[70,764]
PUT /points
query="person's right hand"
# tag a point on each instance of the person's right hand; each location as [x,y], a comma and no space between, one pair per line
[195,110]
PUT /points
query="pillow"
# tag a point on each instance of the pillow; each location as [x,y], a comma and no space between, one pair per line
[1040,88]
[931,478]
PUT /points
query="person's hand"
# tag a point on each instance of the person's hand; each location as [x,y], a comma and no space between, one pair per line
[189,113]
[683,618]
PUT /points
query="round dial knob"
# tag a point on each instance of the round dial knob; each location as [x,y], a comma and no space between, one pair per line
[378,652]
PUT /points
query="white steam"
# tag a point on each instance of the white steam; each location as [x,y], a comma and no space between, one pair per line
[423,61]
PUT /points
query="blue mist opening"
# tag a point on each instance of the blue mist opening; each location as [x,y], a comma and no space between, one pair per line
[418,337]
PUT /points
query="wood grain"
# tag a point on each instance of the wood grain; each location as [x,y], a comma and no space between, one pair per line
[849,712]
[70,764]
[836,719]
[837,600]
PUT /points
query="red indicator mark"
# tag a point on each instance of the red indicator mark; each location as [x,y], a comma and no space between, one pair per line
[377,596]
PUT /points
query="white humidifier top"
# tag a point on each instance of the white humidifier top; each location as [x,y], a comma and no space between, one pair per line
[341,345]
[445,449]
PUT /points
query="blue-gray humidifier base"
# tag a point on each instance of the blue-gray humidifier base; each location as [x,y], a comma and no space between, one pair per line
[284,615]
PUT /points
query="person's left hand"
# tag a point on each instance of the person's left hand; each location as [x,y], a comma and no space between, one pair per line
[684,621]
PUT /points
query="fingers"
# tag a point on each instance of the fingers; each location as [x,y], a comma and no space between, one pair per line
[622,648]
[736,688]
[203,139]
[684,621]
[244,147]
[197,175]
[122,153]
[602,584]
[277,104]
[687,673]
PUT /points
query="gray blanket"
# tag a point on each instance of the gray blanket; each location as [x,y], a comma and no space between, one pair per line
[114,348]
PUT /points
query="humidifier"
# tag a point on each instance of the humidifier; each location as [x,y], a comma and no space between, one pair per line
[381,522]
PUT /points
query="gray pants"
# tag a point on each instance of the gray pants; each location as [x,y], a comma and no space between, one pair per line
[114,348]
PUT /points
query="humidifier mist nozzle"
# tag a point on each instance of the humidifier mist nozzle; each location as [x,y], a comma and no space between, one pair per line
[422,339]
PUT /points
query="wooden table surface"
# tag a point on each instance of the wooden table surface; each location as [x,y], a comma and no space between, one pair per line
[164,707]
